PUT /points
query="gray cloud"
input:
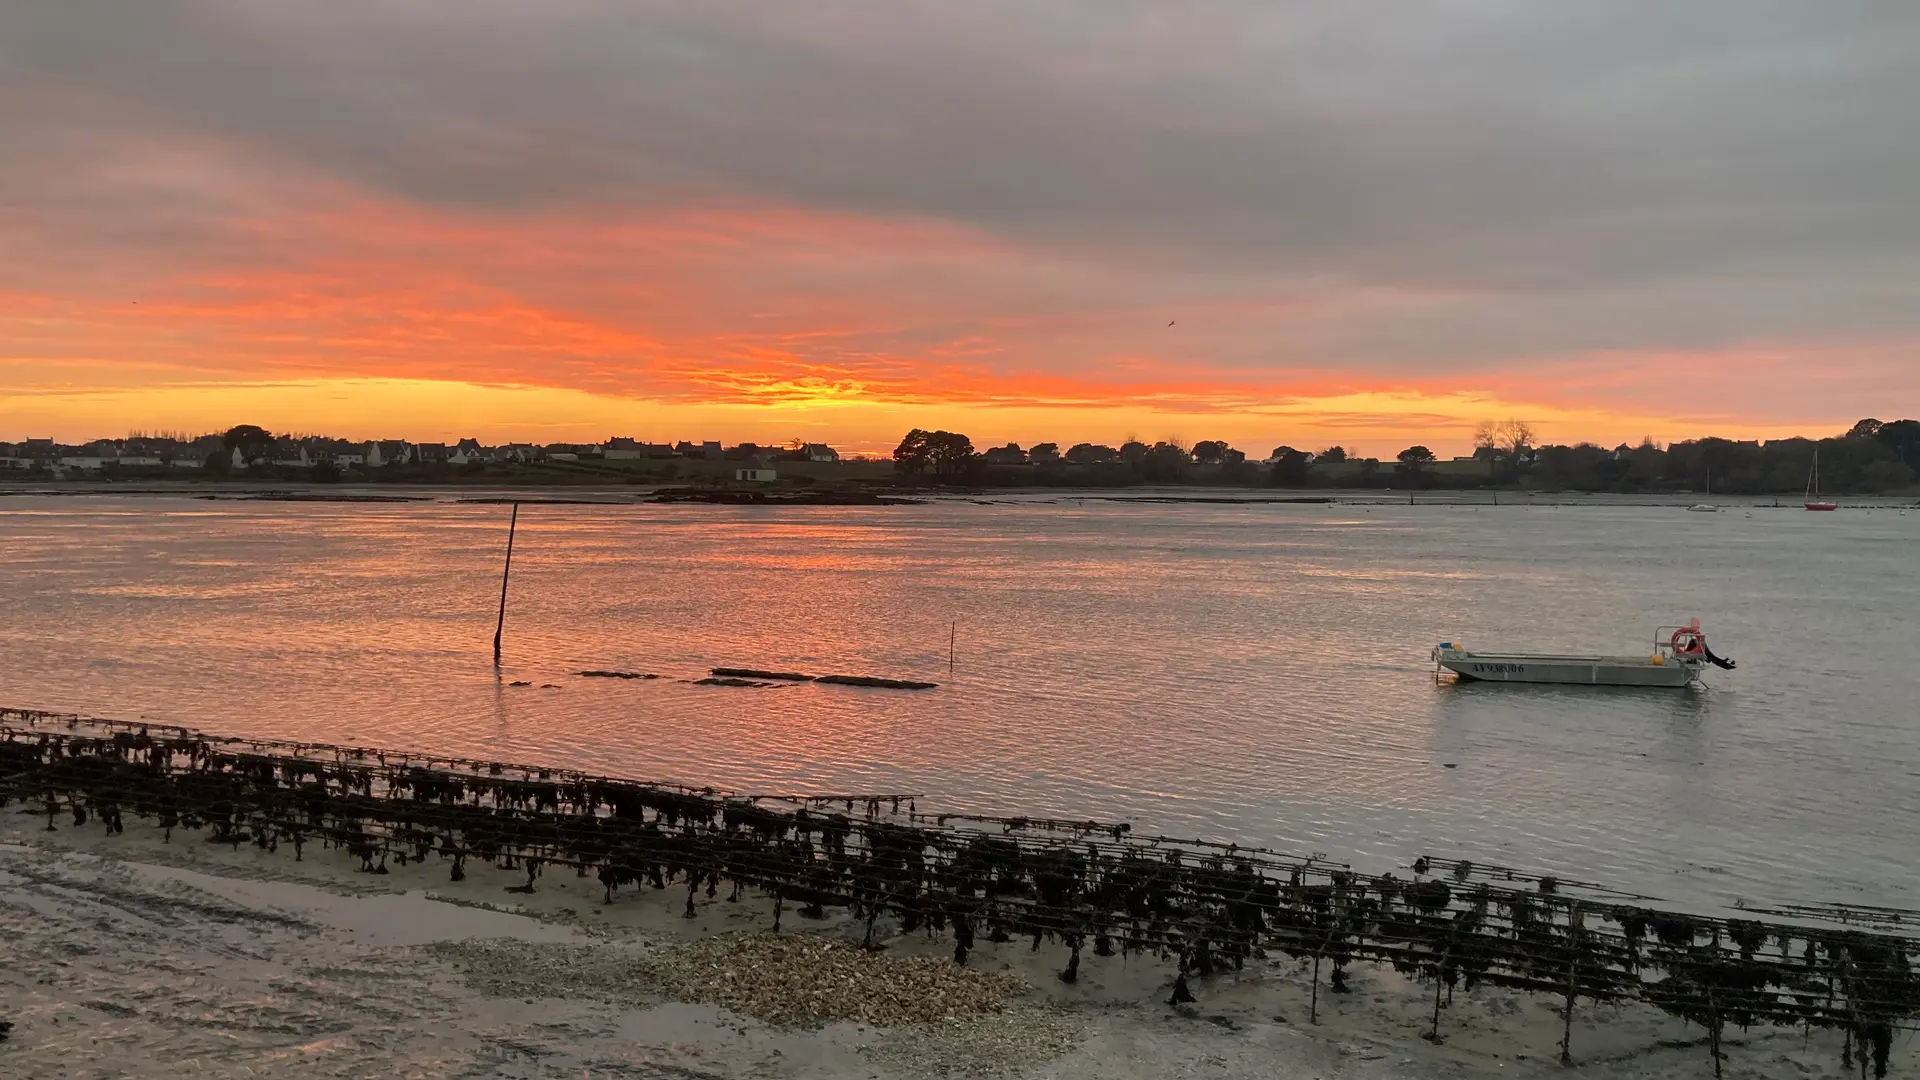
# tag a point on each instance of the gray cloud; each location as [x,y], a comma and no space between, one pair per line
[1609,175]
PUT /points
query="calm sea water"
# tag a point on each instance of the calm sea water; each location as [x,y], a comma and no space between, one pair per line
[1256,673]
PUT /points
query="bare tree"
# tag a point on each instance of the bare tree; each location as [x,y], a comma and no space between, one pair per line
[1508,438]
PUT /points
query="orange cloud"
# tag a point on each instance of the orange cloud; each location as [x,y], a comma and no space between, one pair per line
[767,320]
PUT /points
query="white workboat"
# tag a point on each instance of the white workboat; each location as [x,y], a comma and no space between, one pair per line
[1677,659]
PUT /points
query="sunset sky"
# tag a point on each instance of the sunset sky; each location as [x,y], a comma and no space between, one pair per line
[1367,222]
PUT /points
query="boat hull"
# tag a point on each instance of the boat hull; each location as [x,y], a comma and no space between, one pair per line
[1565,670]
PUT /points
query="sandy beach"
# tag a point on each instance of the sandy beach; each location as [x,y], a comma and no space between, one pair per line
[133,957]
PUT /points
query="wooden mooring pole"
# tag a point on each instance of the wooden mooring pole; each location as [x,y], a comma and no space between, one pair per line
[513,523]
[953,635]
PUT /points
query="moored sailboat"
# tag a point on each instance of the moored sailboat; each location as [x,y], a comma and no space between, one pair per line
[1814,501]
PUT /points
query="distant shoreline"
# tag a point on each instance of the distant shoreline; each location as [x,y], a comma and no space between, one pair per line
[667,495]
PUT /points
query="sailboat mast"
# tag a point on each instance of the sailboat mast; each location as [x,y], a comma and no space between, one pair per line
[1814,501]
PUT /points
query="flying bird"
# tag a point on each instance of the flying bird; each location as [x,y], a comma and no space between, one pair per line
[1169,322]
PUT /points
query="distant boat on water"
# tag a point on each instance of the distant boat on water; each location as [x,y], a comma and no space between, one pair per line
[1814,501]
[1706,508]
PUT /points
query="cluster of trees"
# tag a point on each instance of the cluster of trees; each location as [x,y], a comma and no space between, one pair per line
[1872,457]
[951,458]
[1854,463]
[942,454]
[251,440]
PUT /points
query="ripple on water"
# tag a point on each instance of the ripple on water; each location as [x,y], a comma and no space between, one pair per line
[1255,673]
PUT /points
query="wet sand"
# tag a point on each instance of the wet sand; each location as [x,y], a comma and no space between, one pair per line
[130,957]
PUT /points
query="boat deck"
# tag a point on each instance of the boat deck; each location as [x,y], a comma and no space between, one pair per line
[1647,669]
[1644,660]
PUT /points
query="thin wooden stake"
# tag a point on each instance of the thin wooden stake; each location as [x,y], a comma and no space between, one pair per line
[1433,1036]
[1566,1032]
[1713,1029]
[953,635]
[513,524]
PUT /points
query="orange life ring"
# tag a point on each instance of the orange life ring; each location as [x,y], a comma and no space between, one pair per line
[1688,642]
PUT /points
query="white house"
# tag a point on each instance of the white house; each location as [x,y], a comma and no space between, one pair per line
[468,451]
[291,454]
[516,452]
[388,452]
[755,471]
[819,452]
[623,449]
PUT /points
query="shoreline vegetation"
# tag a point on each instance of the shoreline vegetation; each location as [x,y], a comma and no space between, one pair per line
[622,495]
[502,494]
[1220,951]
[1872,458]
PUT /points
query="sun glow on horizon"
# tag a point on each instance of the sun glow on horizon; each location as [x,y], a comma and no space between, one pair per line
[1374,422]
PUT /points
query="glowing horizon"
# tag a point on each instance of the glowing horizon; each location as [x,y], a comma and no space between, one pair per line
[362,409]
